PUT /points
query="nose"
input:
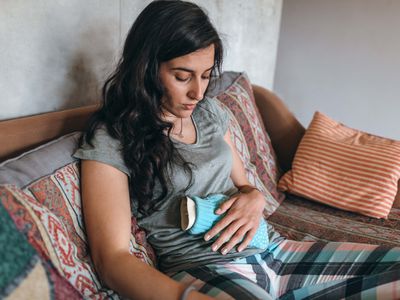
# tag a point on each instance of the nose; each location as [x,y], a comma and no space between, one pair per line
[197,89]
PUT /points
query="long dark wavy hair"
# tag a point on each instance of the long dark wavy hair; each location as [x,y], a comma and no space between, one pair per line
[131,107]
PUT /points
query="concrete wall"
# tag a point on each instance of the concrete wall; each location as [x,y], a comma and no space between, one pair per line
[55,54]
[342,57]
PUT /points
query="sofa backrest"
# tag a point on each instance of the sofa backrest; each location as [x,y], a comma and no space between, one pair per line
[40,161]
[22,134]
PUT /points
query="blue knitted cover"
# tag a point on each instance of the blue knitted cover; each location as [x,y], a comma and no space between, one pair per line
[206,219]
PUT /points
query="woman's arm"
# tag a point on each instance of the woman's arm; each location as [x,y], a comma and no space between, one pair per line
[107,216]
[244,210]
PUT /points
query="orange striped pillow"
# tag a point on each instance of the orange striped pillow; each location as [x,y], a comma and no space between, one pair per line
[345,168]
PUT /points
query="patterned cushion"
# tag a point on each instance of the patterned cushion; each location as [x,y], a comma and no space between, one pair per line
[345,168]
[49,213]
[251,140]
[24,273]
[303,220]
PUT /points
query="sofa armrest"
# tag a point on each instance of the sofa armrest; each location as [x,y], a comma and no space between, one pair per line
[282,126]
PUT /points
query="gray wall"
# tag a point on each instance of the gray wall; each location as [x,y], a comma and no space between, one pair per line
[342,57]
[55,54]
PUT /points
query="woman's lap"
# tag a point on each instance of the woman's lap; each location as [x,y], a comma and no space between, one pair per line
[221,283]
[302,269]
[385,285]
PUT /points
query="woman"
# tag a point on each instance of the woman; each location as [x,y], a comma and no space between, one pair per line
[157,139]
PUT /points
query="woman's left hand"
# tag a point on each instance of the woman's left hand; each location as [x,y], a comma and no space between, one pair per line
[244,212]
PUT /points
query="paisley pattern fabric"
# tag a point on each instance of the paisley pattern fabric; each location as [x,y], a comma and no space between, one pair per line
[26,273]
[48,212]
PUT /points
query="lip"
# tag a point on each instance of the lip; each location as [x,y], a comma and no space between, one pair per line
[189,106]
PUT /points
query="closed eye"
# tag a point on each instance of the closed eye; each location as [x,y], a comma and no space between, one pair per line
[207,75]
[181,79]
[185,79]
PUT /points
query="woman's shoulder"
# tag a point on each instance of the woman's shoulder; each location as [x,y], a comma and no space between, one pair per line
[211,109]
[102,136]
[102,147]
[101,139]
[211,106]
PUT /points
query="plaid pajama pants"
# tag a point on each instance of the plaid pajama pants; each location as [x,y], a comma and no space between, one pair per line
[303,270]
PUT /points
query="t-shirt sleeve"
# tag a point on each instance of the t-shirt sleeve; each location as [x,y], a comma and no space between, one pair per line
[220,112]
[106,149]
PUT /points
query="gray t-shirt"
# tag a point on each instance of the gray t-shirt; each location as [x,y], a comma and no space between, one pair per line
[212,159]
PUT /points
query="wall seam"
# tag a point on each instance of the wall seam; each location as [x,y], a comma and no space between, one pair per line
[120,23]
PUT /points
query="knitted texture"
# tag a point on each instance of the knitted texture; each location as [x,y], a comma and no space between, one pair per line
[206,219]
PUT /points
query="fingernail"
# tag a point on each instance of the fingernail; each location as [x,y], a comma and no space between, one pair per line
[218,211]
[214,248]
[207,237]
[224,251]
[240,249]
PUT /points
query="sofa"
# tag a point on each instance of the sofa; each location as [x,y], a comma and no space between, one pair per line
[44,252]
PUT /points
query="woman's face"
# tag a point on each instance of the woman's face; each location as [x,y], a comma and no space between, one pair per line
[185,80]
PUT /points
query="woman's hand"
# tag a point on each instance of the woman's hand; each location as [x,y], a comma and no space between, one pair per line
[244,211]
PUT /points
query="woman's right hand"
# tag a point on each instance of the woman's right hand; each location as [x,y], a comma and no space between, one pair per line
[107,216]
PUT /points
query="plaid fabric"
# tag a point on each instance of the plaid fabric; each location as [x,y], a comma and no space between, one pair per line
[303,270]
[304,220]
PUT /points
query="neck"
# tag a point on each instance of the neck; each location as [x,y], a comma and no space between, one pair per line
[179,130]
[177,123]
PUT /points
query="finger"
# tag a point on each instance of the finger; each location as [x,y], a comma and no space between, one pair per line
[249,236]
[234,240]
[217,228]
[225,206]
[226,235]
